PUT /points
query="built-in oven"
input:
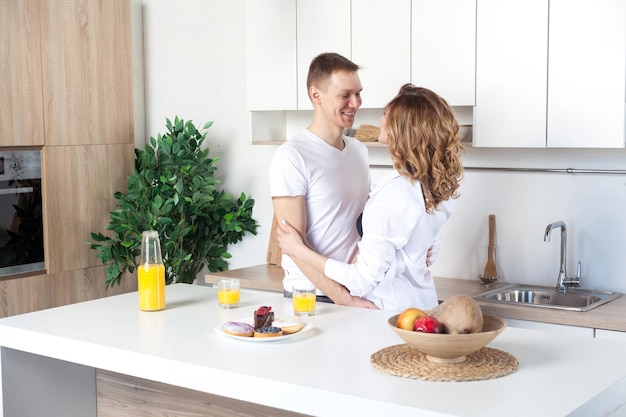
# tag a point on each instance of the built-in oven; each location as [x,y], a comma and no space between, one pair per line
[21,212]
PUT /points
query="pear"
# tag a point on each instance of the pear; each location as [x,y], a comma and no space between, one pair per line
[459,314]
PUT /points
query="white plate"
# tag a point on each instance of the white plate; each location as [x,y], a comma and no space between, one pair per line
[220,330]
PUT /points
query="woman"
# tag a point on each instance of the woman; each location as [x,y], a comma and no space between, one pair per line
[406,209]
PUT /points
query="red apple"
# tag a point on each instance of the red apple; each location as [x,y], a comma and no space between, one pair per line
[427,324]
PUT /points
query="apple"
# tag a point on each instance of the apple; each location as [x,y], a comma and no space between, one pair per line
[407,318]
[427,324]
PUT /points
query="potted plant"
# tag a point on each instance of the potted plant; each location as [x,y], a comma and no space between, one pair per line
[172,190]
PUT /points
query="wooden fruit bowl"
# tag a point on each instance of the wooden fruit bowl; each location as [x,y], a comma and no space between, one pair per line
[450,348]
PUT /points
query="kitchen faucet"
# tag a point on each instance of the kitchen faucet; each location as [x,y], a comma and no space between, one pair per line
[563,282]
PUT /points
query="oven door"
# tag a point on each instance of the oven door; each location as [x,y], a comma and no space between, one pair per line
[21,220]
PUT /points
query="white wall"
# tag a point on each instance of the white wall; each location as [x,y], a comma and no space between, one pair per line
[194,52]
[195,68]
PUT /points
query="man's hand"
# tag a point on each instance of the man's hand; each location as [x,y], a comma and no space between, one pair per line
[360,302]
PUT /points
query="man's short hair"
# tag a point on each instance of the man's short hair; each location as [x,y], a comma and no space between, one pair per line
[324,65]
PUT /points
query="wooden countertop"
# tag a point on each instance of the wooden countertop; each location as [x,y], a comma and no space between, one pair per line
[610,316]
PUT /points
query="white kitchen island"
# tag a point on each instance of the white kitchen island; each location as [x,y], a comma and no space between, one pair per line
[49,360]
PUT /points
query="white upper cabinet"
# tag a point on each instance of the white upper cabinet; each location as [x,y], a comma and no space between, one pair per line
[443,48]
[511,73]
[271,55]
[550,73]
[428,42]
[587,73]
[322,26]
[381,46]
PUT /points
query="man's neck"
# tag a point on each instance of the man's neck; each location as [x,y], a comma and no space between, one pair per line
[333,135]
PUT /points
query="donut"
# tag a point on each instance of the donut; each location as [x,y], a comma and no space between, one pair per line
[289,325]
[237,328]
[271,331]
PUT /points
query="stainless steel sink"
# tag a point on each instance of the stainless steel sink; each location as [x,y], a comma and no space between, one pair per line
[574,299]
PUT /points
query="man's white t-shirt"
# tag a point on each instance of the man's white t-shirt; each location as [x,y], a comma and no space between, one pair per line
[335,184]
[391,269]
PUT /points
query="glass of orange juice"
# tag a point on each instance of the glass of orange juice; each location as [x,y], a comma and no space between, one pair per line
[228,292]
[303,300]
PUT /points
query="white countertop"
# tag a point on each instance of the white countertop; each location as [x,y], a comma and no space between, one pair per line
[325,371]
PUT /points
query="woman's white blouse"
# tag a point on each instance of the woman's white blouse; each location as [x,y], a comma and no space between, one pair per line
[391,269]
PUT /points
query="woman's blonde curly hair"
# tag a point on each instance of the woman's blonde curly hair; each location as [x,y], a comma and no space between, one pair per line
[425,143]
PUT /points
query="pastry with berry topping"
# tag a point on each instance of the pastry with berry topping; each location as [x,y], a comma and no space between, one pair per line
[270,331]
[263,317]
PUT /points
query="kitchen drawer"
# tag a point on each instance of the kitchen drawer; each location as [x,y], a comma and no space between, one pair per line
[610,335]
[552,328]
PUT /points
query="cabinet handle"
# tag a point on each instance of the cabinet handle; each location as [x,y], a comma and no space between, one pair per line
[18,190]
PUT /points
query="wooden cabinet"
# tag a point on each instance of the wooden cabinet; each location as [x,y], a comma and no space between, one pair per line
[21,99]
[79,185]
[84,75]
[33,293]
[87,72]
[88,152]
[443,40]
[550,74]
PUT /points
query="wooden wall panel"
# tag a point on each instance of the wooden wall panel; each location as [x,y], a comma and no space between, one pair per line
[21,98]
[126,396]
[87,72]
[79,182]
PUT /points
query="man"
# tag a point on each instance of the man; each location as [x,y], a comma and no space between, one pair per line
[319,179]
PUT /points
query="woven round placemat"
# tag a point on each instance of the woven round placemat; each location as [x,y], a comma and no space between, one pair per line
[406,361]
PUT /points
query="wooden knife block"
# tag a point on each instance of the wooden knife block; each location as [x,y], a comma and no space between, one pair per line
[274,253]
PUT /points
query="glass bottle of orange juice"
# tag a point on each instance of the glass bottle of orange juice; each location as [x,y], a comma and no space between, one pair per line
[151,273]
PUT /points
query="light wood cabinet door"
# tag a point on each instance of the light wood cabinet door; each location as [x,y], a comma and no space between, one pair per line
[87,75]
[511,73]
[443,46]
[21,96]
[271,55]
[587,74]
[79,183]
[381,46]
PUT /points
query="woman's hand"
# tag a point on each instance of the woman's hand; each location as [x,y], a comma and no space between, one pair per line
[289,238]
